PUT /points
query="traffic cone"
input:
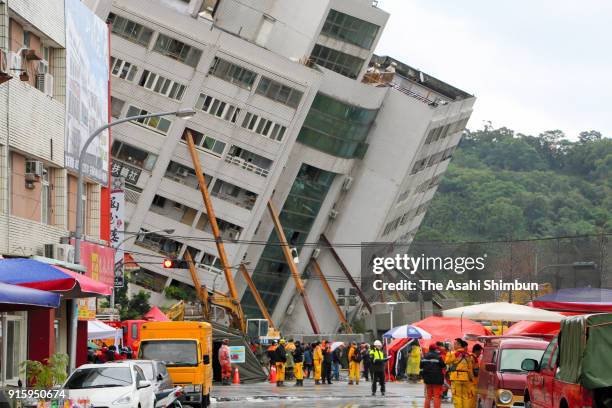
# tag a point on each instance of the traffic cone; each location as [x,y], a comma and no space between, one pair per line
[236,376]
[273,375]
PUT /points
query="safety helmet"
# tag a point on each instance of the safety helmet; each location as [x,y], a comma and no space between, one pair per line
[377,343]
[282,341]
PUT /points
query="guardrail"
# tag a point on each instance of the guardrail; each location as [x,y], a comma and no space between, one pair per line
[247,165]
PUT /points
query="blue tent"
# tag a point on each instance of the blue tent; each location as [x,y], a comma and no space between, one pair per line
[19,298]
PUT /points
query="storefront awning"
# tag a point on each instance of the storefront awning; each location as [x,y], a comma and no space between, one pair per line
[38,275]
[97,330]
[14,297]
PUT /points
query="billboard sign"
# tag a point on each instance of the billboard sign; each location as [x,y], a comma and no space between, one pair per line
[237,354]
[86,90]
[99,260]
[117,209]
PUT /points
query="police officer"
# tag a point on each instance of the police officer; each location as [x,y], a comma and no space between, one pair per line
[378,360]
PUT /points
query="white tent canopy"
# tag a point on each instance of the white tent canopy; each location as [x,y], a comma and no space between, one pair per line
[508,312]
[97,330]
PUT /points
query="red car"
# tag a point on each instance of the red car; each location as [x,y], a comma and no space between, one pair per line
[576,368]
[501,381]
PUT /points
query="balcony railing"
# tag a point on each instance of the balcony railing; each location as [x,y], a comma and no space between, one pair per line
[235,160]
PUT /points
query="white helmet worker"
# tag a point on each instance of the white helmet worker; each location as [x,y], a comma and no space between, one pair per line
[377,343]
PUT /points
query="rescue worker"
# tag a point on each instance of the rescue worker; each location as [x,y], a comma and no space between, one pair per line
[460,367]
[289,348]
[271,353]
[378,359]
[308,360]
[327,364]
[298,360]
[225,362]
[476,352]
[317,358]
[432,370]
[365,357]
[280,356]
[354,359]
[414,362]
[337,357]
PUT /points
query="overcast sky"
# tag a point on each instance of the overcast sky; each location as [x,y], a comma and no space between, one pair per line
[534,65]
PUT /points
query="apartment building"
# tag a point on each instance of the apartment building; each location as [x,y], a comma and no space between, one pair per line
[292,106]
[39,101]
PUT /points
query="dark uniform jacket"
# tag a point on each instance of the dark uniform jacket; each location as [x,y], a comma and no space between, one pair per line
[298,354]
[280,354]
[432,367]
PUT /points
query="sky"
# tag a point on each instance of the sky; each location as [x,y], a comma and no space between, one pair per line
[534,65]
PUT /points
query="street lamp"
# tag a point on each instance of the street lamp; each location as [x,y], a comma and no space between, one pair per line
[181,113]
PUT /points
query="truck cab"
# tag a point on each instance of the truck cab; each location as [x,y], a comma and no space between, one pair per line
[575,370]
[185,348]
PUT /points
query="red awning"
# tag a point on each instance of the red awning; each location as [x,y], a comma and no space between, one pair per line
[38,275]
[87,285]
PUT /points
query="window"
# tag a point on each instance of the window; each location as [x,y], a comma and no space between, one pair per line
[264,127]
[123,69]
[337,61]
[158,124]
[177,50]
[130,30]
[279,92]
[350,29]
[234,194]
[133,155]
[206,142]
[337,128]
[232,73]
[116,107]
[218,108]
[159,201]
[45,197]
[249,161]
[162,85]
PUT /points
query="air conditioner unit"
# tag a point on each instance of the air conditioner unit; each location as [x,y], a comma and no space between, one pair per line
[34,170]
[44,83]
[60,252]
[348,182]
[316,253]
[42,67]
[14,62]
[333,214]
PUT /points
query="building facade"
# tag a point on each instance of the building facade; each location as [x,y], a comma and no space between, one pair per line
[293,107]
[38,193]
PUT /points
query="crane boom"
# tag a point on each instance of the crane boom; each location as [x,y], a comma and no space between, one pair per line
[238,320]
[255,292]
[294,272]
[330,295]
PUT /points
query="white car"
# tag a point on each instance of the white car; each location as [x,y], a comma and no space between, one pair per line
[111,385]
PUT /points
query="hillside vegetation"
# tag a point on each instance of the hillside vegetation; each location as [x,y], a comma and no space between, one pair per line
[502,185]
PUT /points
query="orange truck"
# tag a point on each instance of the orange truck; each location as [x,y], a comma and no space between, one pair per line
[186,348]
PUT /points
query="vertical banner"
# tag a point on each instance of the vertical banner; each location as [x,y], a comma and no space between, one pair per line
[86,90]
[117,224]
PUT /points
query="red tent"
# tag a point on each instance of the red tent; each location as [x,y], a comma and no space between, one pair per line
[525,327]
[583,300]
[156,315]
[441,329]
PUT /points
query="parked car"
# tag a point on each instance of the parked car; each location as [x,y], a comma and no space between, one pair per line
[130,388]
[576,368]
[156,372]
[501,381]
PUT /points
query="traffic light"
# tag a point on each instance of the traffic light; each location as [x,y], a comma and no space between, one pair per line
[175,264]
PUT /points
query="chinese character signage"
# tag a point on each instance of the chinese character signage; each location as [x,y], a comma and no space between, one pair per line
[129,173]
[99,260]
[117,225]
[87,308]
[86,90]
